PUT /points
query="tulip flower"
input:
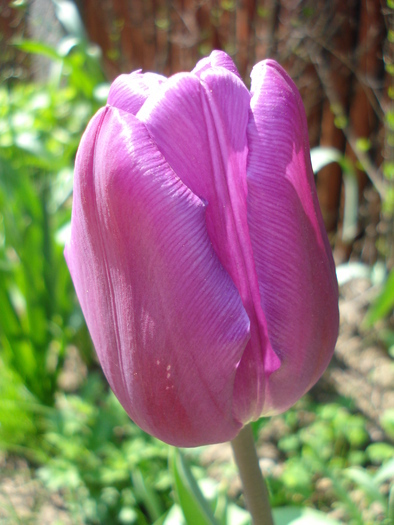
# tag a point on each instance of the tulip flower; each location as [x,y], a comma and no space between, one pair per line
[198,250]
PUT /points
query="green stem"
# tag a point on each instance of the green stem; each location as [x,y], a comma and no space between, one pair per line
[255,489]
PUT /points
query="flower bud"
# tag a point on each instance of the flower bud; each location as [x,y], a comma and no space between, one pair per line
[198,250]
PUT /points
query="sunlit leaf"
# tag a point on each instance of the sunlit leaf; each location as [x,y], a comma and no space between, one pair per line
[301,516]
[384,304]
[385,473]
[352,270]
[146,495]
[322,156]
[366,482]
[173,517]
[37,48]
[379,452]
[194,507]
[68,15]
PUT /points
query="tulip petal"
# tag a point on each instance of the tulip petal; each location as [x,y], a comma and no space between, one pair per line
[129,92]
[200,128]
[199,124]
[293,258]
[216,59]
[166,320]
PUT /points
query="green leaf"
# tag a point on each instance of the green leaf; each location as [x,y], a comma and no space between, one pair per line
[301,516]
[363,144]
[146,495]
[366,482]
[66,44]
[237,516]
[322,156]
[101,91]
[31,143]
[161,520]
[387,338]
[37,48]
[68,15]
[128,515]
[387,422]
[350,212]
[388,170]
[385,473]
[384,303]
[340,121]
[390,514]
[195,509]
[379,452]
[173,517]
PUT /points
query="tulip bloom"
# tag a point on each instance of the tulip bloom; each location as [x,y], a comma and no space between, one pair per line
[198,250]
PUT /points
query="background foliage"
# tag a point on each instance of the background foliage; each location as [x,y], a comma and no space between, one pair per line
[327,463]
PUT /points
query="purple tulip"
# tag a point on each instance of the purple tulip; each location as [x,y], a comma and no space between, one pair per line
[198,250]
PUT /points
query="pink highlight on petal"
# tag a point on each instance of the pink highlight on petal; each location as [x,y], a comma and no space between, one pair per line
[129,92]
[216,59]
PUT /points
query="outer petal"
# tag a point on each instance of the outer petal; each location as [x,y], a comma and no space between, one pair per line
[200,127]
[129,92]
[215,59]
[166,320]
[293,258]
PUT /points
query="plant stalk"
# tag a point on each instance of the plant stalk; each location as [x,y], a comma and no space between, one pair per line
[255,489]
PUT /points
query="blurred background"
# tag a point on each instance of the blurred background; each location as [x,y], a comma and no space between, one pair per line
[68,453]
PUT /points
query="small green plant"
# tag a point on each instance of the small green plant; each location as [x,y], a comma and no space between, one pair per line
[108,470]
